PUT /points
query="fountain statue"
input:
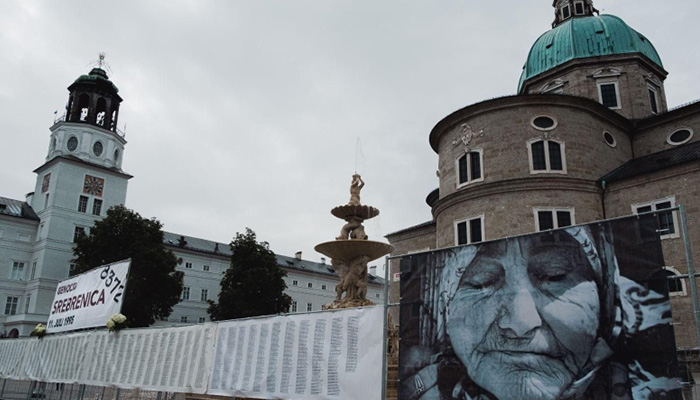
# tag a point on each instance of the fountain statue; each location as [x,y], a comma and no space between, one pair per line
[351,250]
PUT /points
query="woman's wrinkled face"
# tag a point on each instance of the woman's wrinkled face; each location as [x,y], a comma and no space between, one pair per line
[525,317]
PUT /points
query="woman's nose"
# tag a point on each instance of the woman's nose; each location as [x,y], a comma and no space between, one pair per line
[519,316]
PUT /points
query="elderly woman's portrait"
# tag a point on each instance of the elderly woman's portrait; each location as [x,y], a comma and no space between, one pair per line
[577,313]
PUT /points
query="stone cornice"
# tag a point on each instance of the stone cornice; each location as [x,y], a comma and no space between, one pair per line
[553,100]
[529,184]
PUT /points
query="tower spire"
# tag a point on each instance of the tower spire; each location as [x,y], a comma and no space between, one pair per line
[567,9]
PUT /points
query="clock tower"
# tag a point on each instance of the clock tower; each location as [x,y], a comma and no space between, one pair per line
[80,179]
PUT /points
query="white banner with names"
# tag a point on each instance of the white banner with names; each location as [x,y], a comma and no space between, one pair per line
[325,355]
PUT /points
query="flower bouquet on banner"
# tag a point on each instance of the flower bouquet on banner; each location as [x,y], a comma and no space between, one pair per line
[116,322]
[39,331]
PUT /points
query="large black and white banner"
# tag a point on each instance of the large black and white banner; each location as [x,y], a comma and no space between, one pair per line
[89,299]
[576,313]
[325,355]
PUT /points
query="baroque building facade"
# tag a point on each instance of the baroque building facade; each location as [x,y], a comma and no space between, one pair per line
[587,137]
[80,179]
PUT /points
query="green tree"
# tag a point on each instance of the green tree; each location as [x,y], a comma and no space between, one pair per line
[254,283]
[154,286]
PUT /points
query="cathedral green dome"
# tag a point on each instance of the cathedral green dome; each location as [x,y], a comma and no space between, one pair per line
[583,37]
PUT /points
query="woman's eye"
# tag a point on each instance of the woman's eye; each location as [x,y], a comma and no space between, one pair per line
[480,284]
[556,278]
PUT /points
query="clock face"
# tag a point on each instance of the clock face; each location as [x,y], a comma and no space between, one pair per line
[93,185]
[45,183]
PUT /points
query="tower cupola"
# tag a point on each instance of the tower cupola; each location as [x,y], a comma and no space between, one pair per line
[566,9]
[94,99]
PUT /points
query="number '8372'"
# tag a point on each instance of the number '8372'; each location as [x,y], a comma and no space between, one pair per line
[111,280]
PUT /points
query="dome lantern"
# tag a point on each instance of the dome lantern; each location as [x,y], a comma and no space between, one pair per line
[566,9]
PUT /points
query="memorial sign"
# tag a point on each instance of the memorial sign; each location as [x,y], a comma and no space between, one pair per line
[89,299]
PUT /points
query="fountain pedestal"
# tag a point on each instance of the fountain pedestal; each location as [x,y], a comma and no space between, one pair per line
[351,250]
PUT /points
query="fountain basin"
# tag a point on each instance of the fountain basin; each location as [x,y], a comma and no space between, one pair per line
[349,210]
[349,249]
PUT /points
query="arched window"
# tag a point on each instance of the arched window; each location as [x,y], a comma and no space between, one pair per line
[469,168]
[101,111]
[69,108]
[669,278]
[113,121]
[546,155]
[83,104]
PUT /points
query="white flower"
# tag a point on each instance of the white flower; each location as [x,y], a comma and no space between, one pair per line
[110,324]
[119,318]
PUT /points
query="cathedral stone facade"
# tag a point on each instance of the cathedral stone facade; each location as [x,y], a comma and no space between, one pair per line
[587,137]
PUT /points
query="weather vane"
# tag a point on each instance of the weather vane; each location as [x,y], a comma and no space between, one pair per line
[101,63]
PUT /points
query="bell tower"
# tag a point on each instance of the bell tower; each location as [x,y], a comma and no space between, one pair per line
[82,175]
[88,130]
[93,99]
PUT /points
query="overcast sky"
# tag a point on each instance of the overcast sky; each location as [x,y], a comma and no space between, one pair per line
[249,113]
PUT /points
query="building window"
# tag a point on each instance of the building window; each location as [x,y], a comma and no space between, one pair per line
[553,218]
[310,285]
[679,136]
[27,302]
[676,284]
[470,230]
[295,282]
[202,320]
[71,269]
[205,295]
[72,143]
[323,287]
[17,271]
[578,7]
[97,149]
[376,295]
[11,305]
[188,265]
[546,155]
[183,319]
[653,100]
[609,95]
[469,167]
[543,122]
[294,306]
[309,306]
[96,207]
[32,275]
[609,139]
[185,293]
[46,201]
[82,204]
[565,12]
[205,268]
[667,220]
[78,233]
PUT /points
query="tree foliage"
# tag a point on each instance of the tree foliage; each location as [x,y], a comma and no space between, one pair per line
[253,285]
[154,286]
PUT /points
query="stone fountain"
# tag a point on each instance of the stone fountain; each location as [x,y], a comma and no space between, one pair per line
[351,250]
